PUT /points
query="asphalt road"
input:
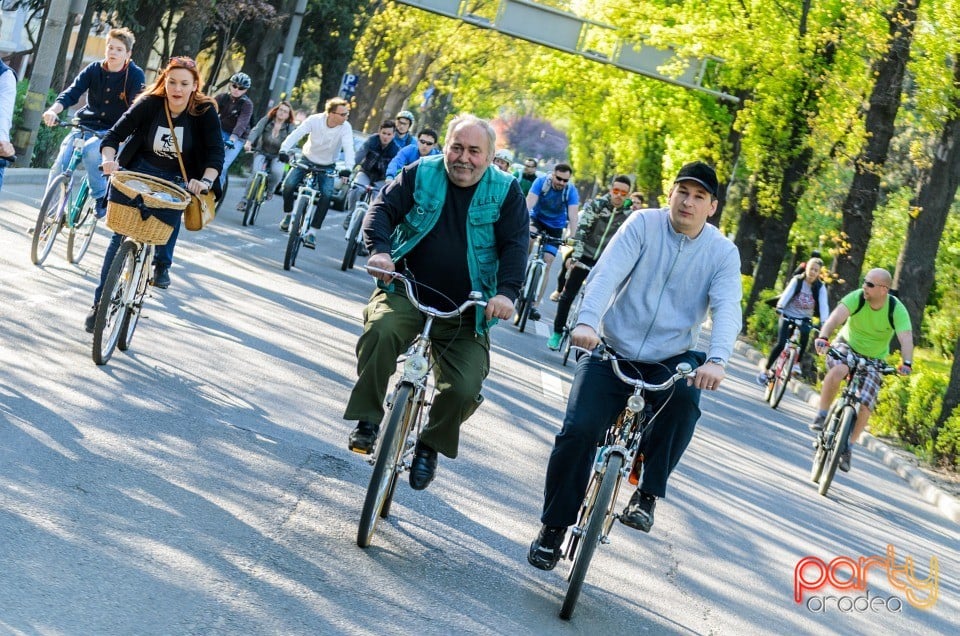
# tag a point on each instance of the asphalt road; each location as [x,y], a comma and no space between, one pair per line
[200,484]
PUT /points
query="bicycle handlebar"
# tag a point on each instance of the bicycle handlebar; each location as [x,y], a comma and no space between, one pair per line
[546,238]
[855,361]
[75,123]
[602,352]
[475,299]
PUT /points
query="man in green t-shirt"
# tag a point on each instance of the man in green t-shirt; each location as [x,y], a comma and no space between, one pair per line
[868,325]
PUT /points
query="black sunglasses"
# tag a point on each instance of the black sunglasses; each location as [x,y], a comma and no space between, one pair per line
[561,179]
[872,285]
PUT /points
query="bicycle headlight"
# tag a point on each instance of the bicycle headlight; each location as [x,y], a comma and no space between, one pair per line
[636,403]
[415,366]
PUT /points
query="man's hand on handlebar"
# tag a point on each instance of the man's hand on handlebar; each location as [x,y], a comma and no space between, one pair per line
[382,260]
[498,307]
[584,336]
[821,345]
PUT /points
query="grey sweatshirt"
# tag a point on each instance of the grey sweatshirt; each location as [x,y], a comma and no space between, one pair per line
[650,291]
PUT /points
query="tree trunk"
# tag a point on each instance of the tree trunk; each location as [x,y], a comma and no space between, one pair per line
[951,398]
[262,45]
[149,26]
[193,22]
[76,60]
[57,82]
[861,200]
[936,190]
[748,233]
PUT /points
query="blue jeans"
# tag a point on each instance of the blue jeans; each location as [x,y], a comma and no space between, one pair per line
[229,155]
[597,397]
[91,160]
[163,257]
[292,183]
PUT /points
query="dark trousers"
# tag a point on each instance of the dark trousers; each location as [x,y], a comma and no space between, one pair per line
[461,360]
[597,397]
[163,256]
[783,336]
[575,278]
[292,184]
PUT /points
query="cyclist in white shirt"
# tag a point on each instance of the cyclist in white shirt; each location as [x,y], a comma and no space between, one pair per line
[327,134]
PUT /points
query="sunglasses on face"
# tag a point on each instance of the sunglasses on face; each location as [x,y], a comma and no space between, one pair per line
[346,114]
[620,192]
[560,179]
[238,87]
[871,285]
[426,142]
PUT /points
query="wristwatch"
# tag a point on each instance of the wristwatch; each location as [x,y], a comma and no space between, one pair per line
[720,361]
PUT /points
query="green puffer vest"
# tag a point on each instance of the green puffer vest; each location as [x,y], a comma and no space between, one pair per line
[430,191]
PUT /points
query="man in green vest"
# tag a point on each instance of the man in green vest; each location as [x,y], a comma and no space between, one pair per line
[455,224]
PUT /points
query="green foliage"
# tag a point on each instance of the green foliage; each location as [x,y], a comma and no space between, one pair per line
[762,325]
[908,408]
[48,141]
[947,447]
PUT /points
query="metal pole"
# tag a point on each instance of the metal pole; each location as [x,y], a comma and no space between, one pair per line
[286,60]
[35,102]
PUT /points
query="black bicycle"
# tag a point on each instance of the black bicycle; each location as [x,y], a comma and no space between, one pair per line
[614,460]
[534,278]
[833,439]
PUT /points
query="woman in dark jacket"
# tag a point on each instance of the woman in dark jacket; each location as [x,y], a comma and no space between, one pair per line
[150,149]
[265,139]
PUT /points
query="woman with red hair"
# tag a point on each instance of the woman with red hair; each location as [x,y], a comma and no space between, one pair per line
[174,101]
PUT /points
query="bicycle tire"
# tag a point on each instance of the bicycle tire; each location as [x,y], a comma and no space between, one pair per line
[258,202]
[383,479]
[844,424]
[109,318]
[530,299]
[780,381]
[350,253]
[131,316]
[81,234]
[45,230]
[820,451]
[223,194]
[295,237]
[565,345]
[250,196]
[596,516]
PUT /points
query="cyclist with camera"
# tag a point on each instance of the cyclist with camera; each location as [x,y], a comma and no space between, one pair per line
[327,134]
[652,288]
[804,298]
[870,317]
[456,224]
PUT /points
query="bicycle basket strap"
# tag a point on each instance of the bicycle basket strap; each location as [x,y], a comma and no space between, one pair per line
[167,216]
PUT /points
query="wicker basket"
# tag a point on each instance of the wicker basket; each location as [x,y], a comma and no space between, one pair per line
[141,215]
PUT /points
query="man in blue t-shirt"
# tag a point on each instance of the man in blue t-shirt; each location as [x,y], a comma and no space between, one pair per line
[553,203]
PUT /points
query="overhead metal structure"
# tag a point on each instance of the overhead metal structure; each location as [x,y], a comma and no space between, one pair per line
[570,33]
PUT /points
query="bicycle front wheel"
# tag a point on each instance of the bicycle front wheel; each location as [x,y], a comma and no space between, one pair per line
[81,234]
[820,446]
[251,197]
[384,476]
[594,518]
[780,380]
[530,299]
[112,308]
[350,253]
[50,219]
[841,431]
[296,234]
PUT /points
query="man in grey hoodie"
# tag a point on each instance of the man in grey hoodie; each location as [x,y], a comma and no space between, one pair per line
[648,295]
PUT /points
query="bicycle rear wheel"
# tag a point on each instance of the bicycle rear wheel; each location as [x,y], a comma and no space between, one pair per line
[295,237]
[350,253]
[50,219]
[780,379]
[81,234]
[843,425]
[383,479]
[257,203]
[595,514]
[111,309]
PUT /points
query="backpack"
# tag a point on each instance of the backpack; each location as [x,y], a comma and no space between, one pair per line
[563,196]
[891,306]
[814,289]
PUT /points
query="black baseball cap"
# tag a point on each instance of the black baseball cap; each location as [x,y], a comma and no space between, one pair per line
[702,174]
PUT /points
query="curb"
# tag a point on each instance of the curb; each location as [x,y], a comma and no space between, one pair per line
[25,176]
[947,504]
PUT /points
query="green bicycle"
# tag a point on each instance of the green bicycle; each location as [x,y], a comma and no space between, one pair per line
[59,209]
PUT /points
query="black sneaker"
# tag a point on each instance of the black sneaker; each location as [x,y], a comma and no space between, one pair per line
[161,277]
[424,466]
[91,319]
[545,550]
[363,438]
[534,314]
[639,512]
[845,461]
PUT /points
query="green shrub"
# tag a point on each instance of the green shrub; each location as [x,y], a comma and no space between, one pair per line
[909,408]
[890,416]
[763,322]
[47,145]
[947,447]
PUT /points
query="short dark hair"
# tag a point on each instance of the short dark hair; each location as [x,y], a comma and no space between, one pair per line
[563,167]
[387,123]
[622,178]
[429,131]
[530,160]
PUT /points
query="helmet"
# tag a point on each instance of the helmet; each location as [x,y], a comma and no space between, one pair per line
[241,79]
[505,155]
[406,114]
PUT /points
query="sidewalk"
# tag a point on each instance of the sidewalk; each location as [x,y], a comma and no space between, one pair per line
[25,176]
[947,504]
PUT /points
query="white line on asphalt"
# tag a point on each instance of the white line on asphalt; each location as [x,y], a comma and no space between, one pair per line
[550,381]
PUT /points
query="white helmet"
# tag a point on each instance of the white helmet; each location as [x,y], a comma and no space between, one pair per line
[406,114]
[504,155]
